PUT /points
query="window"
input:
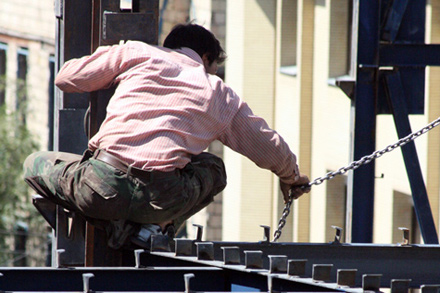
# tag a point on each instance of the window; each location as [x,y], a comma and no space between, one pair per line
[340,38]
[288,37]
[3,49]
[21,91]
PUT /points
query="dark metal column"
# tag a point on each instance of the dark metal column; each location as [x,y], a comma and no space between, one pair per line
[72,41]
[361,192]
[82,26]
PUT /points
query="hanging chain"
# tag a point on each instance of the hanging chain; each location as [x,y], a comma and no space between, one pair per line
[354,165]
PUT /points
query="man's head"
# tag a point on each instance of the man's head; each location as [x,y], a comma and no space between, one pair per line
[200,40]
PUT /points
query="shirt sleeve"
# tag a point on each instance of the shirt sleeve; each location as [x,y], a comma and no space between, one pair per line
[96,71]
[251,136]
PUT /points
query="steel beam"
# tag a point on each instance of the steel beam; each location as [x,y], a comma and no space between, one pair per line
[419,263]
[409,55]
[367,265]
[393,20]
[422,207]
[112,279]
[361,187]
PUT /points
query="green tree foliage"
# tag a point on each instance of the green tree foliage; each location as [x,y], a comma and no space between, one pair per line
[16,209]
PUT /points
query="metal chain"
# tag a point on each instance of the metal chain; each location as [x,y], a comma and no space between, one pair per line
[354,165]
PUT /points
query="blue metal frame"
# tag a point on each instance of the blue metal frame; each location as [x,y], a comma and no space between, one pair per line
[409,152]
[364,131]
[397,43]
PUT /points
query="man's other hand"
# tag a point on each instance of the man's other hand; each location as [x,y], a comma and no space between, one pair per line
[297,189]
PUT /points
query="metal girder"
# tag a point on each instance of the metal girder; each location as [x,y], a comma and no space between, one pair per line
[393,20]
[261,266]
[409,55]
[242,266]
[419,263]
[419,193]
[360,191]
[112,279]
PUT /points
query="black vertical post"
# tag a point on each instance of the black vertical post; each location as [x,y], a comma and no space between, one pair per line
[361,191]
[72,41]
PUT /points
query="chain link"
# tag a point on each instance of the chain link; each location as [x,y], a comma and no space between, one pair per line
[354,165]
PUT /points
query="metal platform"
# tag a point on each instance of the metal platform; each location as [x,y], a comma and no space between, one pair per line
[264,266]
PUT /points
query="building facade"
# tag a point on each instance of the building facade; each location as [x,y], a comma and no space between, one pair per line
[27,37]
[283,59]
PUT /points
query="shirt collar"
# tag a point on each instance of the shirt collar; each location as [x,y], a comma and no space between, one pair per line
[191,54]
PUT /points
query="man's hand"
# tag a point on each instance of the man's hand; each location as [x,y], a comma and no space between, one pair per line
[297,189]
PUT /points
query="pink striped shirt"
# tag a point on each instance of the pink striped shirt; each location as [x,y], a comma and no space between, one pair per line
[167,108]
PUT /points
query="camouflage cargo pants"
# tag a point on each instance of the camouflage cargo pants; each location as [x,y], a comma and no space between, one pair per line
[99,191]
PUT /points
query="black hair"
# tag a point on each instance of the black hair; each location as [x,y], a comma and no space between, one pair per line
[197,38]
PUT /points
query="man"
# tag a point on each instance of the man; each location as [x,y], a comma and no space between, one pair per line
[145,171]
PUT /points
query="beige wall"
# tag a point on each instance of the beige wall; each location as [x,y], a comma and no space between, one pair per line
[30,19]
[250,44]
[314,117]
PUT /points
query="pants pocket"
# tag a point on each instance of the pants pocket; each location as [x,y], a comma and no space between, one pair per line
[97,198]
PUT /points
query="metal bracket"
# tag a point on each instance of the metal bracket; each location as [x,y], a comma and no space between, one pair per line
[253,259]
[371,282]
[199,232]
[184,247]
[405,240]
[297,267]
[86,282]
[205,250]
[137,257]
[346,277]
[231,255]
[187,278]
[266,233]
[347,86]
[321,272]
[277,264]
[338,234]
[400,285]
